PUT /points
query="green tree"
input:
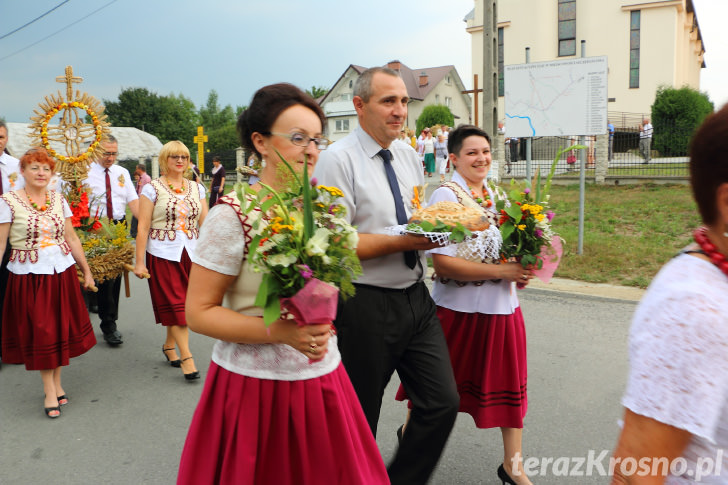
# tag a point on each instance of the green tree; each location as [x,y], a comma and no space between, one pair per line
[180,119]
[166,117]
[212,116]
[317,91]
[434,114]
[224,138]
[676,114]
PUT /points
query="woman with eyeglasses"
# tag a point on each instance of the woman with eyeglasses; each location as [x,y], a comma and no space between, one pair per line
[278,406]
[171,210]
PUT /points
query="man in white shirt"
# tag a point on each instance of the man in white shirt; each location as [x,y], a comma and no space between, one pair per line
[390,324]
[645,140]
[11,180]
[123,194]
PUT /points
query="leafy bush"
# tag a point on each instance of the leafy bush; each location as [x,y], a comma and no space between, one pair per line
[434,114]
[676,114]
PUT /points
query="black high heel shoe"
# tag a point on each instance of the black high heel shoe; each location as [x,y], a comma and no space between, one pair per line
[192,375]
[173,363]
[504,476]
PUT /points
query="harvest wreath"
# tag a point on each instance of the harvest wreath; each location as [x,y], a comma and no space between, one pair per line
[108,247]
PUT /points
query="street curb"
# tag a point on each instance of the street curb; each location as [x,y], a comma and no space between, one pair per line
[592,289]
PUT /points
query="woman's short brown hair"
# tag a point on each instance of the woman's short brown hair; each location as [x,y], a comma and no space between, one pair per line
[37,154]
[709,162]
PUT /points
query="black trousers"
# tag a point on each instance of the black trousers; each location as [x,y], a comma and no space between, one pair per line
[4,273]
[107,299]
[381,331]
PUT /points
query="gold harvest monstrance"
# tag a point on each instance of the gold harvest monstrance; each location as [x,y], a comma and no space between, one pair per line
[80,139]
[75,142]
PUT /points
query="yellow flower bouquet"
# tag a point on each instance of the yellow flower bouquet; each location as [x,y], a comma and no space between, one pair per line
[306,250]
[525,224]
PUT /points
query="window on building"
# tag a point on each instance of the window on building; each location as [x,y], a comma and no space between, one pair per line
[567,27]
[342,125]
[501,70]
[634,49]
[437,99]
[448,80]
[448,101]
[351,83]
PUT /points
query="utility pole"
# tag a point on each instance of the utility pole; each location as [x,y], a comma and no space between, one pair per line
[490,66]
[582,179]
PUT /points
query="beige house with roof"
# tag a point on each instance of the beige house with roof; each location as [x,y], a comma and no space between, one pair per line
[425,86]
[648,43]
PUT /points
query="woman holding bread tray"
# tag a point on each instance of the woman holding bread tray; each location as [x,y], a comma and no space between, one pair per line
[477,303]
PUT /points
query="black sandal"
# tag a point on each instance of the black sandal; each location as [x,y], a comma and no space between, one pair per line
[48,412]
[192,375]
[173,363]
[62,400]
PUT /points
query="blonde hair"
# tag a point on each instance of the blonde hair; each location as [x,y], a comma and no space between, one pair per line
[173,147]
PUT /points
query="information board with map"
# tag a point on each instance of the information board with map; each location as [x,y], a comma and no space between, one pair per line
[556,98]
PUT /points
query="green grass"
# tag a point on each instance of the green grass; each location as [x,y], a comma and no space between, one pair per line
[653,169]
[629,231]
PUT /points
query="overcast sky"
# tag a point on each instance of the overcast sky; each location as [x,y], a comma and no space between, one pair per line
[236,46]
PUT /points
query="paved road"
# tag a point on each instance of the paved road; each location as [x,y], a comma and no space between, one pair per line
[129,410]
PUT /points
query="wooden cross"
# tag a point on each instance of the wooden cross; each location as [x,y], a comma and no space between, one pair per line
[69,79]
[475,92]
[200,139]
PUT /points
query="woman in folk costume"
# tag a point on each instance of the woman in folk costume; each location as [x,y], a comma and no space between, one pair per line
[45,322]
[171,210]
[278,406]
[479,310]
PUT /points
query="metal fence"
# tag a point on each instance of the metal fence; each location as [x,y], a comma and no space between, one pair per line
[669,157]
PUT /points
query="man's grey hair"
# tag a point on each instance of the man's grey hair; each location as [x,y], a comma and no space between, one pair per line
[363,85]
[109,138]
[3,125]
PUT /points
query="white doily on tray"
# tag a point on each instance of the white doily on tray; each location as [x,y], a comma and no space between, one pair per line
[481,245]
[484,245]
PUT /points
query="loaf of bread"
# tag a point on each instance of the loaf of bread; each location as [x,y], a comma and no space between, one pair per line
[450,213]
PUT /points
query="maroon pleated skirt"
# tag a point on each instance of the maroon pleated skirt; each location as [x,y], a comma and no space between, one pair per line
[168,287]
[488,355]
[45,321]
[260,431]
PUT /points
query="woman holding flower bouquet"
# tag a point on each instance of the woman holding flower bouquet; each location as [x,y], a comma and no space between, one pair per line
[278,406]
[45,249]
[171,210]
[479,310]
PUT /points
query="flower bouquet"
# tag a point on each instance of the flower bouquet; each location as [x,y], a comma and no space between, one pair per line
[107,246]
[306,251]
[525,224]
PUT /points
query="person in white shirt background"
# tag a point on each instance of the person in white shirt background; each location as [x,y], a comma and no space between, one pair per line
[11,180]
[123,194]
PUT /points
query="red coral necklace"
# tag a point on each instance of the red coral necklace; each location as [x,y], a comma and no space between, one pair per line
[717,258]
[35,205]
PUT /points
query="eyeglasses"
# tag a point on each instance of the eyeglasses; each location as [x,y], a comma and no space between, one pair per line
[184,158]
[110,154]
[302,140]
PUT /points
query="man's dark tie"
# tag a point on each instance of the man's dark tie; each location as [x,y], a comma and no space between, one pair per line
[410,257]
[1,184]
[109,204]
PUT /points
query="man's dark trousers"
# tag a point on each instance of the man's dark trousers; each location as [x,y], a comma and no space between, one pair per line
[383,330]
